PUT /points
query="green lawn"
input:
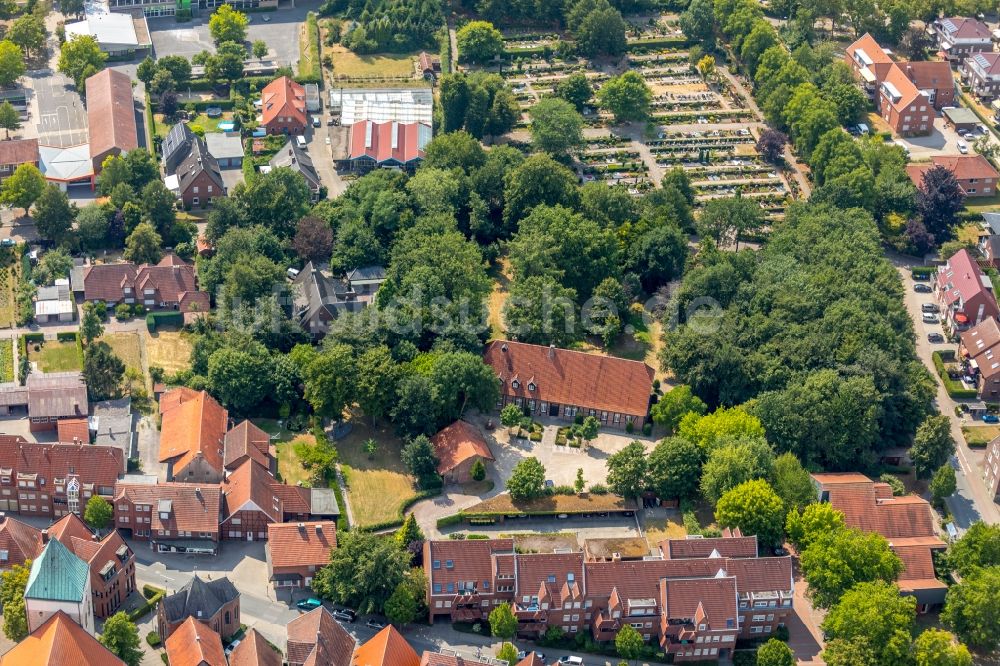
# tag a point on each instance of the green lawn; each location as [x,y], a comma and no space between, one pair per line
[982,204]
[289,468]
[6,360]
[980,436]
[201,120]
[377,485]
[10,271]
[55,356]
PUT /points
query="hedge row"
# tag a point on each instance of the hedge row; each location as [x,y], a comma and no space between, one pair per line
[66,336]
[448,521]
[34,337]
[403,508]
[343,525]
[658,43]
[309,65]
[169,318]
[153,596]
[955,389]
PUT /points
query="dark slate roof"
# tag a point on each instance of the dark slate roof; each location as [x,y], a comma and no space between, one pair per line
[197,161]
[366,273]
[208,597]
[292,157]
[317,291]
[177,146]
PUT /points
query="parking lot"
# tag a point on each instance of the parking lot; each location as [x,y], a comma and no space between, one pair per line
[942,141]
[280,32]
[61,115]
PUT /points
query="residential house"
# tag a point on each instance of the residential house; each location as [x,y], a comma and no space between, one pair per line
[532,659]
[169,284]
[374,145]
[247,442]
[981,72]
[54,303]
[194,643]
[975,175]
[253,499]
[906,104]
[176,146]
[111,561]
[989,248]
[428,66]
[316,638]
[694,608]
[254,650]
[59,581]
[296,551]
[110,116]
[964,293]
[57,642]
[991,468]
[457,448]
[283,107]
[933,79]
[197,179]
[173,517]
[548,381]
[55,479]
[365,281]
[292,157]
[226,148]
[14,153]
[192,436]
[319,298]
[980,345]
[958,38]
[386,648]
[216,603]
[907,522]
[19,542]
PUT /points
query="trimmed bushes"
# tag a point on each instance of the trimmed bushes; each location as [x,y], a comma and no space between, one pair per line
[153,596]
[169,318]
[67,336]
[954,388]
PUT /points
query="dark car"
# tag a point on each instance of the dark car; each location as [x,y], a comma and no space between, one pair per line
[309,604]
[922,288]
[935,338]
[345,614]
[376,624]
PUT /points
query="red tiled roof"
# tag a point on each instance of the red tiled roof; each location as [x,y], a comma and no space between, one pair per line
[531,660]
[961,278]
[981,338]
[470,560]
[871,48]
[73,533]
[929,74]
[247,440]
[67,527]
[193,424]
[992,60]
[111,112]
[58,642]
[964,167]
[172,280]
[73,430]
[92,464]
[711,601]
[734,546]
[438,659]
[300,544]
[761,574]
[400,143]
[638,579]
[194,644]
[22,542]
[964,28]
[283,97]
[251,483]
[571,378]
[386,648]
[546,574]
[316,639]
[457,443]
[19,151]
[254,650]
[908,92]
[194,507]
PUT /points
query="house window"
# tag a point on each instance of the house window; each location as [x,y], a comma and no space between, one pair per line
[196,188]
[209,189]
[531,387]
[515,384]
[195,201]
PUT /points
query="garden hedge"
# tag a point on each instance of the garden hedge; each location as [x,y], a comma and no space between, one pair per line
[955,389]
[153,596]
[34,337]
[66,336]
[168,318]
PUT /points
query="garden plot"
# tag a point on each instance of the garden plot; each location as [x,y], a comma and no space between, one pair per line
[615,166]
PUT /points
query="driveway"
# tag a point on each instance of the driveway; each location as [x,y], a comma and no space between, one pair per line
[148,441]
[942,141]
[322,157]
[971,502]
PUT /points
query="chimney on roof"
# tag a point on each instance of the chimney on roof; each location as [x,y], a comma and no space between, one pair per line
[45,536]
[302,527]
[552,351]
[616,557]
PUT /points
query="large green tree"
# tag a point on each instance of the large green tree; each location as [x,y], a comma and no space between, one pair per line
[627,470]
[99,513]
[875,614]
[675,405]
[364,571]
[238,376]
[10,118]
[11,62]
[932,446]
[627,97]
[812,523]
[103,371]
[479,41]
[53,214]
[754,508]
[527,480]
[775,653]
[556,126]
[838,561]
[735,462]
[121,637]
[79,59]
[972,608]
[12,585]
[228,25]
[23,188]
[978,547]
[144,245]
[674,468]
[935,647]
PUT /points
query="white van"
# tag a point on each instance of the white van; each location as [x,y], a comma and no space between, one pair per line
[571,661]
[300,141]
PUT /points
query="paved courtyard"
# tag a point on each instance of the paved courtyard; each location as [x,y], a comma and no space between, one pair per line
[61,115]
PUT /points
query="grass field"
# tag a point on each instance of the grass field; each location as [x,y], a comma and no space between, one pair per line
[289,468]
[6,360]
[347,63]
[10,271]
[980,436]
[170,350]
[670,528]
[501,286]
[126,347]
[203,121]
[982,204]
[377,486]
[54,356]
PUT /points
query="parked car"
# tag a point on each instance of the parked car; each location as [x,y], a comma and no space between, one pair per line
[345,614]
[991,418]
[232,646]
[316,121]
[376,624]
[935,338]
[7,242]
[570,661]
[312,603]
[266,19]
[213,112]
[929,307]
[330,121]
[930,318]
[963,147]
[922,288]
[524,655]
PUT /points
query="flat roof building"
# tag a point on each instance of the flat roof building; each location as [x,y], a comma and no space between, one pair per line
[382,105]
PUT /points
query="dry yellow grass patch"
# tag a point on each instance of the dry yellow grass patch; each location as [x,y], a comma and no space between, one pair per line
[126,347]
[289,468]
[658,530]
[349,64]
[170,350]
[377,485]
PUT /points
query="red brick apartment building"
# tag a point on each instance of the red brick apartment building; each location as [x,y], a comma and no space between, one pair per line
[975,175]
[173,517]
[561,383]
[111,561]
[169,284]
[253,499]
[694,607]
[905,93]
[55,479]
[964,293]
[907,522]
[283,107]
[296,551]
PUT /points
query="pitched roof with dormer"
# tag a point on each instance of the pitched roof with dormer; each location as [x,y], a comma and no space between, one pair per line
[19,541]
[187,507]
[247,441]
[300,544]
[285,98]
[316,639]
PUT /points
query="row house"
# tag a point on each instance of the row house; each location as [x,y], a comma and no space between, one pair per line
[14,153]
[695,606]
[173,517]
[111,561]
[560,383]
[907,522]
[296,551]
[193,428]
[958,37]
[253,500]
[216,603]
[964,293]
[55,479]
[980,349]
[991,467]
[170,284]
[974,173]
